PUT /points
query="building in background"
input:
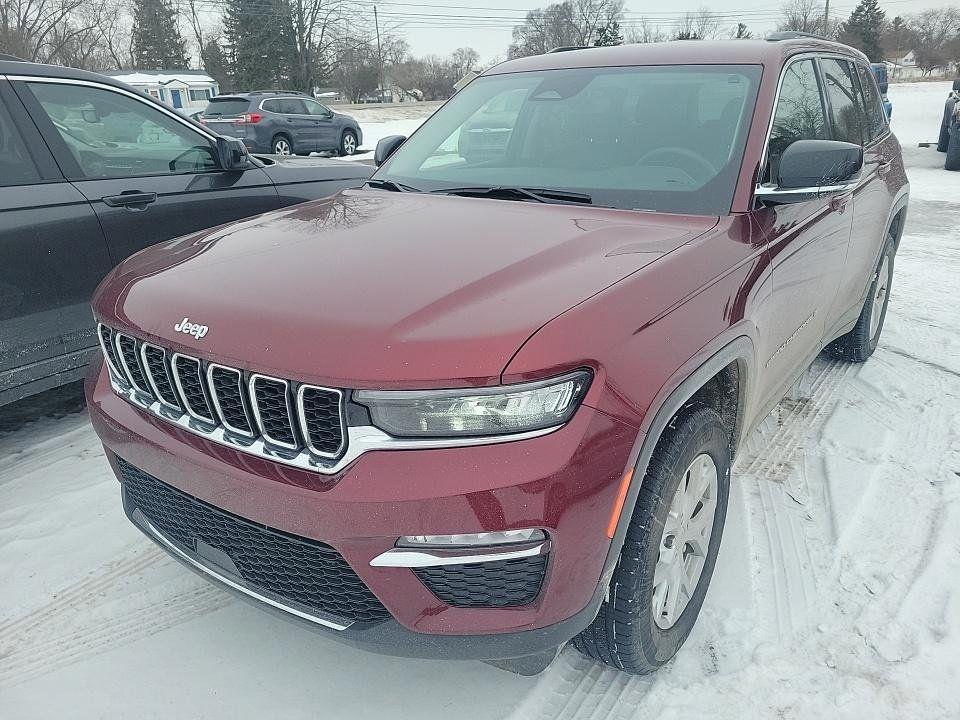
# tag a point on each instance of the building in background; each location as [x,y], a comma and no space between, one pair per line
[186,90]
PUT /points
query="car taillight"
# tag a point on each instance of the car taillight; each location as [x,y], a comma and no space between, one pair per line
[250,118]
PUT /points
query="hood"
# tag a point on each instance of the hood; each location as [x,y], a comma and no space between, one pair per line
[378,289]
[284,169]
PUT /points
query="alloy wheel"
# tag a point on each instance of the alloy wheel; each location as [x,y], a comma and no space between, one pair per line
[281,147]
[349,144]
[880,296]
[685,541]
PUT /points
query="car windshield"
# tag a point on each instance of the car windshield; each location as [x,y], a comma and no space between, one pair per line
[668,139]
[226,107]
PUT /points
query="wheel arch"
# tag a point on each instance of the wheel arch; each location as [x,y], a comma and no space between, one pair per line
[736,361]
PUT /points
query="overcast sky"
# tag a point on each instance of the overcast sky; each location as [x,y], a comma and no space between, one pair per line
[441,26]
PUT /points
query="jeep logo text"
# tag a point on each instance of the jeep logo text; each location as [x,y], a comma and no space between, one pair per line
[185,326]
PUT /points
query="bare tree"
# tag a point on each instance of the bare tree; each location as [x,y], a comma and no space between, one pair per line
[699,25]
[802,16]
[642,31]
[571,22]
[936,38]
[48,30]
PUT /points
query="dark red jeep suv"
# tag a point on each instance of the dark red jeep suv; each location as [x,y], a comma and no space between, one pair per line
[487,404]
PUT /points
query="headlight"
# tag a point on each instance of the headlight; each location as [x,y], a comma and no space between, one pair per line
[503,410]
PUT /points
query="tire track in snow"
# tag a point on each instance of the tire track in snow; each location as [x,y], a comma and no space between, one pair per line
[576,688]
[99,613]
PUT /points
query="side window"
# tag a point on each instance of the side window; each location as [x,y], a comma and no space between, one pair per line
[113,135]
[271,106]
[846,108]
[876,115]
[315,108]
[291,106]
[16,167]
[799,114]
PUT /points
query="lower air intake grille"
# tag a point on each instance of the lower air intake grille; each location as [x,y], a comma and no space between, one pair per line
[308,573]
[503,583]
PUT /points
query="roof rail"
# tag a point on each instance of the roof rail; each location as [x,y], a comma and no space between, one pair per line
[568,48]
[793,35]
[275,92]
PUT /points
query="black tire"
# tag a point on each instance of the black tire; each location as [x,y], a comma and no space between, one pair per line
[952,161]
[348,143]
[859,344]
[282,145]
[625,633]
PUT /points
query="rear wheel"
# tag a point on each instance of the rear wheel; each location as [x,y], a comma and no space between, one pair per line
[281,145]
[670,549]
[859,344]
[348,143]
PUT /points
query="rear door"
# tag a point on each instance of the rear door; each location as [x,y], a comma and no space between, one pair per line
[150,174]
[860,119]
[806,242]
[52,255]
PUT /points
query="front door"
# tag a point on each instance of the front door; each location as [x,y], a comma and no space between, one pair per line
[806,244]
[149,174]
[328,134]
[176,98]
[52,255]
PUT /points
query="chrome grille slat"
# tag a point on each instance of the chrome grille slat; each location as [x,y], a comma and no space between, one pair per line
[158,375]
[189,378]
[129,356]
[105,336]
[321,414]
[229,395]
[270,398]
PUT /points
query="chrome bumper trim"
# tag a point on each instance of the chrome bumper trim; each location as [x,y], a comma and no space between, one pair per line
[207,570]
[411,558]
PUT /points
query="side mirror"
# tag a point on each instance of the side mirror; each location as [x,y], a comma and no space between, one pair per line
[232,153]
[809,168]
[387,147]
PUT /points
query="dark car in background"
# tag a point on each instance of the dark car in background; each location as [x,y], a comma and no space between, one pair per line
[949,136]
[92,171]
[282,123]
[879,71]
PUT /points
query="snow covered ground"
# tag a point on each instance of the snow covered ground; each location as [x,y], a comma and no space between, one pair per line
[837,593]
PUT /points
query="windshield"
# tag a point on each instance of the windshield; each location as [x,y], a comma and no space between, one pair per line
[668,139]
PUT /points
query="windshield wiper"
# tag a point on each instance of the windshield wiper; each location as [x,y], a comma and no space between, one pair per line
[390,185]
[544,195]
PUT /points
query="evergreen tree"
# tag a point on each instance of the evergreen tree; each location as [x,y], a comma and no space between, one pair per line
[156,41]
[216,64]
[261,44]
[741,32]
[864,28]
[609,35]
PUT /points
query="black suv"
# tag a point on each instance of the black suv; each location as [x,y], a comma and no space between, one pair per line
[282,123]
[91,171]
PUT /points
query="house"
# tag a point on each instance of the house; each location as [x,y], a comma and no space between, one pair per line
[186,90]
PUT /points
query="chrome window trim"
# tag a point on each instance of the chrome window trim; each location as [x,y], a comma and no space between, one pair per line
[302,417]
[126,367]
[172,548]
[216,400]
[361,439]
[290,412]
[149,375]
[410,558]
[103,86]
[176,378]
[106,355]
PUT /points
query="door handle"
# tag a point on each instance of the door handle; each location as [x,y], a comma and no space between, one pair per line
[884,168]
[838,203]
[130,199]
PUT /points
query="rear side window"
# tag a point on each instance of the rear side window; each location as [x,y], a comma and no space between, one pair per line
[226,107]
[799,114]
[291,106]
[16,167]
[846,102]
[876,115]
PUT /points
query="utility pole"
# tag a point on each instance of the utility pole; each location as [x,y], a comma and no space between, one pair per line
[376,23]
[826,19]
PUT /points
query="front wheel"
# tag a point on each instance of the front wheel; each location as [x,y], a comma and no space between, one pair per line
[348,143]
[670,548]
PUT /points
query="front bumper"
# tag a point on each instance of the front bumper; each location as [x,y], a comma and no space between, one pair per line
[565,483]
